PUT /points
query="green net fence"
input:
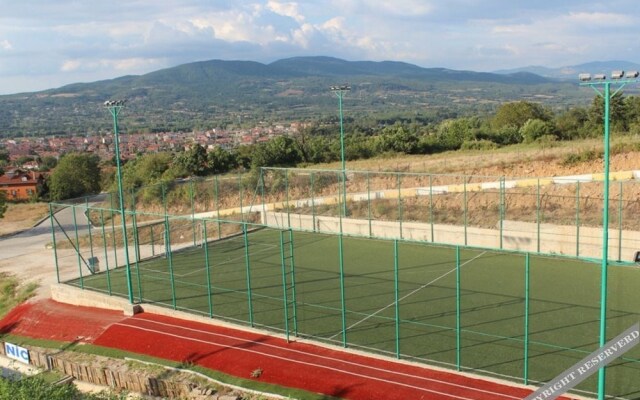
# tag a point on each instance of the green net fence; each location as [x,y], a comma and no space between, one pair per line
[472,273]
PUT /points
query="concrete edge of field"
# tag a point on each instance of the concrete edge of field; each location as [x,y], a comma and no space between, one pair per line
[87,298]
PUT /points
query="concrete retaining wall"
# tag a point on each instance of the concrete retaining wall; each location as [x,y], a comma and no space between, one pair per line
[522,236]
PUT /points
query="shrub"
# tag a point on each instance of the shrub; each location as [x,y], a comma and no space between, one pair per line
[479,145]
[584,156]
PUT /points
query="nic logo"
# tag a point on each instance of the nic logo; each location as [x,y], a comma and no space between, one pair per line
[16,352]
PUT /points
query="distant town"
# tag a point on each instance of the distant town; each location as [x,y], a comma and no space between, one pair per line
[132,144]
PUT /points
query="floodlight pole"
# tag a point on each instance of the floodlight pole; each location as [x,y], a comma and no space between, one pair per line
[114,108]
[339,91]
[606,95]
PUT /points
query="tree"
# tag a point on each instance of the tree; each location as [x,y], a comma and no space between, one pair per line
[48,163]
[77,175]
[194,160]
[3,203]
[617,113]
[452,133]
[146,170]
[571,124]
[518,113]
[534,129]
[277,152]
[397,138]
[220,160]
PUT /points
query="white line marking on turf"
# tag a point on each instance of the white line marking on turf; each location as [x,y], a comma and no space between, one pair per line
[405,296]
[285,349]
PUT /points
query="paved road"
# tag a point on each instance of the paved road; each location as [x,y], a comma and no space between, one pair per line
[26,255]
[35,239]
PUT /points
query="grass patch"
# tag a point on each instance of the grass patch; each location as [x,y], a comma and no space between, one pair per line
[12,293]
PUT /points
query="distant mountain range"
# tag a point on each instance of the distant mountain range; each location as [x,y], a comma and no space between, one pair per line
[218,93]
[571,72]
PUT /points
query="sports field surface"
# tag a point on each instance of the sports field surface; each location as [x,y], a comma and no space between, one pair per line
[323,372]
[526,318]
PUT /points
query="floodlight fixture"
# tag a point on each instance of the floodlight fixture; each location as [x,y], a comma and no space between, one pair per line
[619,74]
[584,77]
[599,77]
[632,74]
[340,88]
[111,103]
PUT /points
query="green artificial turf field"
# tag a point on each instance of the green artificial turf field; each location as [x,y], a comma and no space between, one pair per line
[456,306]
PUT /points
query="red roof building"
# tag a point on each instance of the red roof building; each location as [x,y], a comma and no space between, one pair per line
[19,185]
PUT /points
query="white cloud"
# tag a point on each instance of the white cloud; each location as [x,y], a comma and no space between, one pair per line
[125,65]
[601,19]
[413,8]
[302,36]
[70,65]
[286,9]
[6,45]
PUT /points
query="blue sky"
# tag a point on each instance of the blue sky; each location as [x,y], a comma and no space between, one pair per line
[46,44]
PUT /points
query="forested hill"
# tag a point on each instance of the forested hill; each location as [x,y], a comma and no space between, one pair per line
[219,93]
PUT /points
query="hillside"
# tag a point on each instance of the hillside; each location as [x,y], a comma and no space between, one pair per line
[571,72]
[520,161]
[219,93]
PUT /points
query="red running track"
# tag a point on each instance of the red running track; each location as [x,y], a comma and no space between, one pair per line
[238,352]
[305,366]
[48,319]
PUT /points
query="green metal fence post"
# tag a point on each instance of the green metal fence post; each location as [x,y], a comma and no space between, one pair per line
[313,202]
[465,210]
[167,233]
[207,267]
[193,212]
[136,246]
[106,255]
[164,197]
[396,289]
[502,206]
[284,286]
[399,184]
[538,213]
[248,267]
[75,227]
[53,235]
[369,204]
[241,194]
[286,185]
[293,284]
[620,223]
[342,298]
[113,236]
[86,202]
[578,219]
[264,201]
[526,318]
[153,245]
[341,211]
[431,205]
[458,322]
[217,206]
